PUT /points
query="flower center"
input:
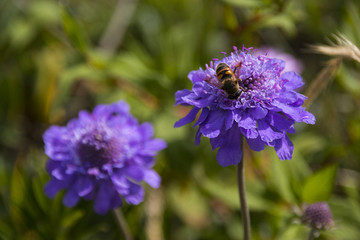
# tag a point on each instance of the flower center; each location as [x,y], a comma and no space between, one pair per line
[95,149]
[251,83]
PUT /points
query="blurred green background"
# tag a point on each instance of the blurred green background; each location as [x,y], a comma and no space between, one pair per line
[60,57]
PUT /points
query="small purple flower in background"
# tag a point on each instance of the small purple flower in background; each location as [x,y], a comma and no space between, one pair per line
[318,216]
[264,112]
[292,64]
[103,155]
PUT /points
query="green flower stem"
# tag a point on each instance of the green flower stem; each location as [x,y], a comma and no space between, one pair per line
[312,233]
[242,195]
[122,224]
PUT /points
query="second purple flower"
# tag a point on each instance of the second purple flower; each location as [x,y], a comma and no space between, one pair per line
[102,156]
[263,110]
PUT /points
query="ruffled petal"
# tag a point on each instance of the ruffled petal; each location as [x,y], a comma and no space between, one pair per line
[284,148]
[279,121]
[298,114]
[197,137]
[249,133]
[52,187]
[219,140]
[267,133]
[115,201]
[258,112]
[58,173]
[188,118]
[197,76]
[229,119]
[71,197]
[136,194]
[146,130]
[291,80]
[230,151]
[213,124]
[151,147]
[134,172]
[84,186]
[288,97]
[179,96]
[256,144]
[203,116]
[57,143]
[102,199]
[152,178]
[105,110]
[244,119]
[197,101]
[300,100]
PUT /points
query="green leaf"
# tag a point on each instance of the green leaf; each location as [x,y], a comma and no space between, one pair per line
[319,186]
[281,179]
[18,186]
[73,31]
[45,12]
[230,196]
[244,3]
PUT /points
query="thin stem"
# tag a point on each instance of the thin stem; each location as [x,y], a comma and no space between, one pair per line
[311,234]
[242,195]
[122,224]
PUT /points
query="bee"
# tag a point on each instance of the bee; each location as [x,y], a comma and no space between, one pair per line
[228,80]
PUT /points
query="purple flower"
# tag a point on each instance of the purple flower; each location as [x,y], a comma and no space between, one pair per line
[264,113]
[102,156]
[318,215]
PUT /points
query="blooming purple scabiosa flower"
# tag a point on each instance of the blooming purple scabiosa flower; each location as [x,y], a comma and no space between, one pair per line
[263,113]
[318,215]
[103,155]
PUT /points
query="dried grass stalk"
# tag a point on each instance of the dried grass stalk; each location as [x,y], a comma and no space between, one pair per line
[342,47]
[322,80]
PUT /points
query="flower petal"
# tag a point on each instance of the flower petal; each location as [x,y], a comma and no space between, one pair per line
[197,101]
[52,187]
[280,121]
[188,118]
[212,125]
[197,137]
[258,112]
[105,110]
[57,143]
[244,119]
[102,199]
[256,144]
[152,178]
[284,148]
[230,152]
[115,201]
[229,119]
[146,130]
[71,197]
[249,133]
[267,133]
[151,147]
[197,76]
[134,172]
[84,186]
[136,194]
[297,113]
[203,116]
[291,80]
[179,96]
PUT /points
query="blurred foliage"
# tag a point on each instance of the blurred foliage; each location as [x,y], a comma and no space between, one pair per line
[52,66]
